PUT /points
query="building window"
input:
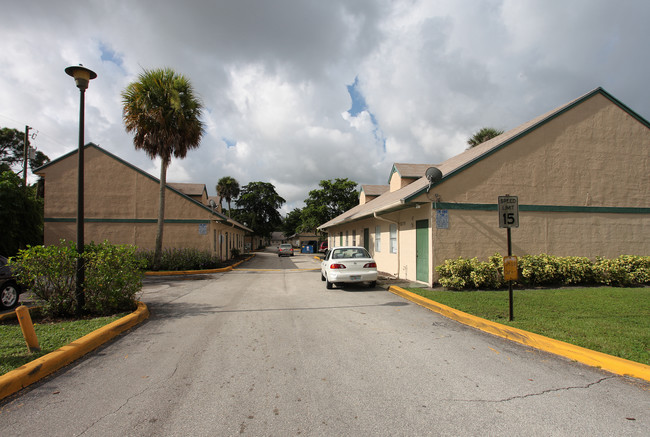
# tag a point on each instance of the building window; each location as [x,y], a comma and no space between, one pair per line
[347,236]
[341,238]
[354,237]
[393,238]
[377,238]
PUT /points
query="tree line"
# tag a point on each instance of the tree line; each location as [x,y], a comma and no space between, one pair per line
[257,204]
[21,207]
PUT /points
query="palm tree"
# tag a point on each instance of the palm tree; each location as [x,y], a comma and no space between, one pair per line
[484,134]
[228,188]
[163,112]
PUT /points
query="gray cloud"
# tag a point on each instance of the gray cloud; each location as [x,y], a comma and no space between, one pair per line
[273,76]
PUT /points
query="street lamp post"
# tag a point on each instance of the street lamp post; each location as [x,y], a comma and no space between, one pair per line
[82,76]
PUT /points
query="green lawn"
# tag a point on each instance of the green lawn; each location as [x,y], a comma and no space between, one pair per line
[51,336]
[615,321]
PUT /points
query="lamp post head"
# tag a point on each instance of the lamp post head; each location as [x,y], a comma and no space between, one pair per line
[81,74]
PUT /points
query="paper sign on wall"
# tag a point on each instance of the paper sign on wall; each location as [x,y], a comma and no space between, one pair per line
[442,219]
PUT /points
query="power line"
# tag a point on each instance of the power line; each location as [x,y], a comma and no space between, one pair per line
[38,132]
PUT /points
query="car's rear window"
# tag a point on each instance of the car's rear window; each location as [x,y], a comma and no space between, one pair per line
[350,253]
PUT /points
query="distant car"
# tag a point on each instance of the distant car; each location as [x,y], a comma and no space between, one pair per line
[285,250]
[322,248]
[348,264]
[9,288]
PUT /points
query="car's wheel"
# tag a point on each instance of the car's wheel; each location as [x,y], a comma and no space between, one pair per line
[329,285]
[322,277]
[373,284]
[9,295]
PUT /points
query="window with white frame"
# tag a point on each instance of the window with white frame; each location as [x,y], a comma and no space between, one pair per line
[377,238]
[393,238]
[347,236]
[354,237]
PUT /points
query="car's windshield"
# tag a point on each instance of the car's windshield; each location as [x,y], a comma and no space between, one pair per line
[350,252]
[285,246]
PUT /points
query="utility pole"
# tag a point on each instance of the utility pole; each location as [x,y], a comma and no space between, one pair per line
[26,155]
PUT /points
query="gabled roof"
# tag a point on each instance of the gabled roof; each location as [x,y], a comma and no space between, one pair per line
[374,190]
[402,198]
[409,171]
[219,217]
[189,189]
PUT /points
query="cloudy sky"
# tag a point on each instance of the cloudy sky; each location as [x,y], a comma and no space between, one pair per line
[297,91]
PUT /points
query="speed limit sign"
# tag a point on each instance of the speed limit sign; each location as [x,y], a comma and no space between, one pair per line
[508,212]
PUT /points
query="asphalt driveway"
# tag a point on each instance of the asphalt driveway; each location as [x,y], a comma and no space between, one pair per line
[267,350]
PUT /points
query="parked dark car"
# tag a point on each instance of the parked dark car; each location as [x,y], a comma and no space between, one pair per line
[9,288]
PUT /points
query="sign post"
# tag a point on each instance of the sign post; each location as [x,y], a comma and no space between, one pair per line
[509,218]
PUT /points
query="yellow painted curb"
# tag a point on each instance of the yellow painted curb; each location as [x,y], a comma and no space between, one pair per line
[31,372]
[278,270]
[188,272]
[613,364]
[198,272]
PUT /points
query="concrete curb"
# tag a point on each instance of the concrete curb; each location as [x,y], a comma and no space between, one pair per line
[619,366]
[31,372]
[198,272]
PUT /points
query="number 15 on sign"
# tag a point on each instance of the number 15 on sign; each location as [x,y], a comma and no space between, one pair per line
[508,212]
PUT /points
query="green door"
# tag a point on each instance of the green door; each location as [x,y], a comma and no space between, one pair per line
[422,250]
[366,239]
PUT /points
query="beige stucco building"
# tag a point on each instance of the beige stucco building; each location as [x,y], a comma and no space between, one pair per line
[121,206]
[581,174]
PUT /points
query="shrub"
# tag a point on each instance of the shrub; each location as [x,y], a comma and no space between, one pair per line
[486,275]
[538,270]
[464,273]
[49,273]
[454,274]
[181,259]
[112,277]
[546,270]
[575,270]
[624,271]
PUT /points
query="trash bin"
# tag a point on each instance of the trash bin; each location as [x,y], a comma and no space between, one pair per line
[307,248]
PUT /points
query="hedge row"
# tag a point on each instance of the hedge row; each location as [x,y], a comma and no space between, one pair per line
[181,259]
[545,270]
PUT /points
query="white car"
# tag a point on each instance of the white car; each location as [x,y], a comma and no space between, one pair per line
[348,264]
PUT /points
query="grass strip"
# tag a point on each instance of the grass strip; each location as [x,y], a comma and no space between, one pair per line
[51,336]
[615,321]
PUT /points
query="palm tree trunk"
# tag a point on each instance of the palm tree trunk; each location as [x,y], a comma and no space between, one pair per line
[157,256]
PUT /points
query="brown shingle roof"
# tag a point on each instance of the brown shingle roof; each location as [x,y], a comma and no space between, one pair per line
[410,171]
[188,189]
[374,190]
